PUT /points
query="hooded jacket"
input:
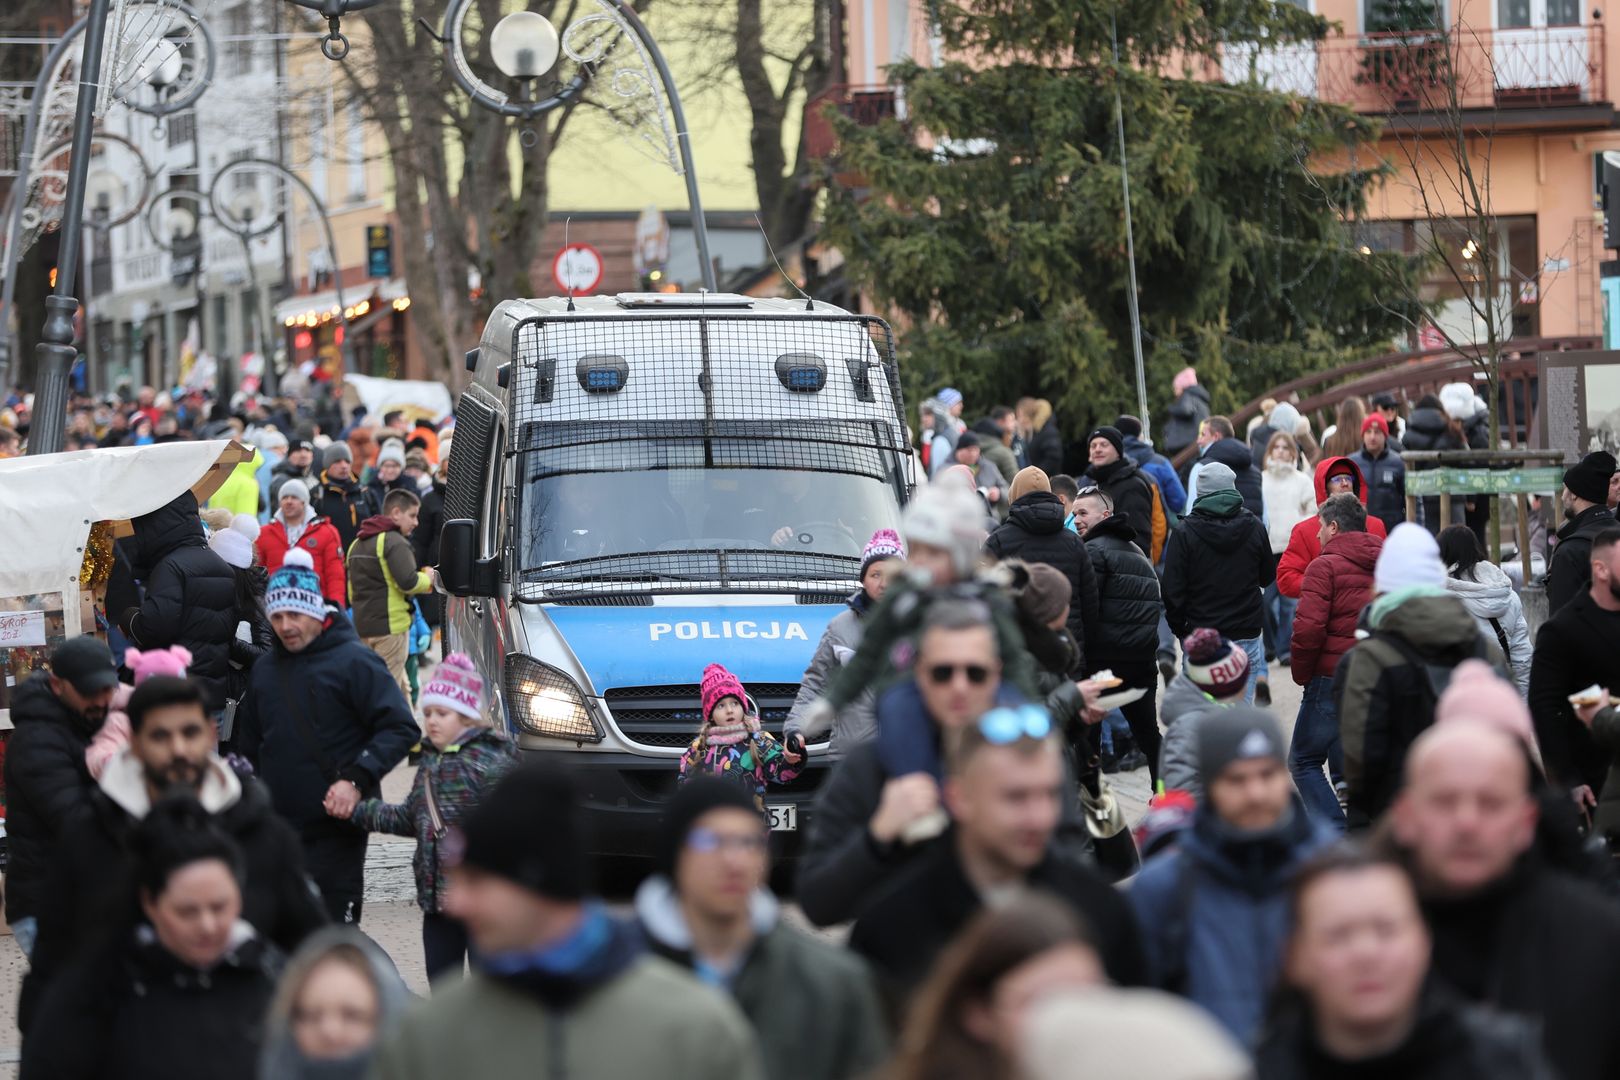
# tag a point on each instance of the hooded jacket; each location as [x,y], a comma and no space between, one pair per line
[1569,573]
[460,774]
[1183,710]
[1386,479]
[785,976]
[1235,455]
[281,1059]
[1489,596]
[1290,499]
[1215,567]
[92,883]
[1034,532]
[1190,408]
[190,594]
[856,721]
[991,446]
[383,576]
[1214,914]
[345,503]
[352,705]
[1131,491]
[1338,585]
[1128,601]
[1387,686]
[1303,545]
[1578,646]
[319,538]
[240,492]
[46,782]
[1156,467]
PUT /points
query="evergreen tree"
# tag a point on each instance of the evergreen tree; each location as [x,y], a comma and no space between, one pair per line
[994,219]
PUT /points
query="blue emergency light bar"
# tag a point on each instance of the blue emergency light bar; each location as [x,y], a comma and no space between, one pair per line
[802,373]
[602,374]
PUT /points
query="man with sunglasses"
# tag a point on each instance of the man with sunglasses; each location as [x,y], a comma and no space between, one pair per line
[1004,786]
[708,908]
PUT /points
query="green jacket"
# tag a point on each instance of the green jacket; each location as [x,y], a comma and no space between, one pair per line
[652,1021]
[383,576]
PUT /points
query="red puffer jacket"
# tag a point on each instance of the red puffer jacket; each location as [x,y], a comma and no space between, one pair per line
[1338,585]
[321,540]
[1303,546]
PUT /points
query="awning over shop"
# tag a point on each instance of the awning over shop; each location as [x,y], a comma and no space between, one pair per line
[325,304]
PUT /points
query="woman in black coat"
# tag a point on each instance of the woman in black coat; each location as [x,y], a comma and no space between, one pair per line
[1035,532]
[177,992]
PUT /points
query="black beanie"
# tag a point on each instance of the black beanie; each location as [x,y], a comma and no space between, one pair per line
[1112,435]
[1129,426]
[695,798]
[528,831]
[1590,479]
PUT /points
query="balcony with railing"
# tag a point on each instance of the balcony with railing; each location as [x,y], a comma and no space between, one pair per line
[1415,70]
[865,105]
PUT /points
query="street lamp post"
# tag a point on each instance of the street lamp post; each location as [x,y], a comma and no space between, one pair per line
[335,46]
[526,46]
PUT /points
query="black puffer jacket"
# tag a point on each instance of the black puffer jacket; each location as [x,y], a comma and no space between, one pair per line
[345,504]
[46,784]
[190,594]
[1128,596]
[1237,457]
[1034,532]
[1131,491]
[1569,573]
[1429,428]
[1214,568]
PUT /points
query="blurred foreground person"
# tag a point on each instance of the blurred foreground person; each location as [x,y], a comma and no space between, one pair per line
[339,996]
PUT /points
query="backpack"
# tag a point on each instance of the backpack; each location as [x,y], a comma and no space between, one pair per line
[1163,522]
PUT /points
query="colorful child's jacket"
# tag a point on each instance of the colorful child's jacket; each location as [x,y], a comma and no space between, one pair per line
[460,774]
[756,761]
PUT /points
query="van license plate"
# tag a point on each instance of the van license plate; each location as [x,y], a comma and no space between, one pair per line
[784,818]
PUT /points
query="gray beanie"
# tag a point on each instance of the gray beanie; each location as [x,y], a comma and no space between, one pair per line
[295,489]
[337,451]
[950,515]
[393,450]
[1239,733]
[1213,477]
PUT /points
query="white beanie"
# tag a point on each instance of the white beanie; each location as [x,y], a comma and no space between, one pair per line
[393,450]
[1410,557]
[950,515]
[235,544]
[295,489]
[1459,399]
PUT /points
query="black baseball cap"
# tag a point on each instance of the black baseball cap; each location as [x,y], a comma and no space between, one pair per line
[1385,400]
[86,663]
[300,444]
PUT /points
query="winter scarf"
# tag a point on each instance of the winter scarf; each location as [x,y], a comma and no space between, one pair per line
[562,973]
[1390,601]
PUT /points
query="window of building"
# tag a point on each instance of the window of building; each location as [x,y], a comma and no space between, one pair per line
[238,58]
[182,128]
[1384,16]
[355,150]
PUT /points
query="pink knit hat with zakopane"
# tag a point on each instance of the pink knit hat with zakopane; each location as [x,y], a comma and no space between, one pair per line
[457,686]
[171,661]
[719,683]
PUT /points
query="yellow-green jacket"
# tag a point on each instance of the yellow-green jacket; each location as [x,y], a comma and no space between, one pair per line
[383,576]
[240,492]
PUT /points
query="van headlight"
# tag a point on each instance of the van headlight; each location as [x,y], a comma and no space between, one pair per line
[544,701]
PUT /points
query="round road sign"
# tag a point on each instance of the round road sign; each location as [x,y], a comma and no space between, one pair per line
[577,268]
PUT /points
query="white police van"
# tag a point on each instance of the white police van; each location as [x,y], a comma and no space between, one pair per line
[644,484]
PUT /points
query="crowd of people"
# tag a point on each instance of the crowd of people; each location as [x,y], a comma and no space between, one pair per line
[1409,878]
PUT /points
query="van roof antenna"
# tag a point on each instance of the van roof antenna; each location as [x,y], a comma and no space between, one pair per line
[809,304]
[569,284]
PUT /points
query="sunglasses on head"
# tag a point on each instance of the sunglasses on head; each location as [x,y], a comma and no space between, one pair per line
[1007,725]
[941,674]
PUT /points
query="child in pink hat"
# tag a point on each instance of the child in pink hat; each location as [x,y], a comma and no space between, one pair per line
[730,743]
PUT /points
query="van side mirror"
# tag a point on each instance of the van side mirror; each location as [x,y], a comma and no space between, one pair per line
[460,568]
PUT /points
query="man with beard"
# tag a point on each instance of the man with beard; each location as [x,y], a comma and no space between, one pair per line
[1575,649]
[55,714]
[1585,498]
[91,885]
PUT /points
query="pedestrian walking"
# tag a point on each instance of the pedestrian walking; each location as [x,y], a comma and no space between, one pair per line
[1488,594]
[1154,465]
[1187,413]
[731,744]
[1585,497]
[1575,650]
[190,596]
[253,637]
[338,997]
[1216,677]
[298,464]
[181,986]
[708,908]
[1126,637]
[558,979]
[389,471]
[1290,498]
[856,722]
[1216,568]
[1338,586]
[1042,437]
[1385,472]
[1387,686]
[1218,445]
[1034,532]
[1334,476]
[1509,931]
[1386,405]
[1132,493]
[996,434]
[92,882]
[462,759]
[322,722]
[1214,909]
[1357,998]
[986,477]
[338,497]
[1004,957]
[383,576]
[54,715]
[1003,789]
[296,525]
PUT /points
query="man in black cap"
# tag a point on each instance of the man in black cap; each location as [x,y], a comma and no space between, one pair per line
[299,464]
[1119,476]
[709,908]
[986,477]
[1385,405]
[55,714]
[339,497]
[1586,504]
[557,979]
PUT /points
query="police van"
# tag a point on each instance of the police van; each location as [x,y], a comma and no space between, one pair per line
[644,484]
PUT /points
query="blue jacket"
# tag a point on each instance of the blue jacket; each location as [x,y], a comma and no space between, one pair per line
[1386,485]
[354,709]
[1158,467]
[908,738]
[1214,915]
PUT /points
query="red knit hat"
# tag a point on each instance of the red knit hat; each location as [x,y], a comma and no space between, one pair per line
[1374,420]
[718,683]
[1218,667]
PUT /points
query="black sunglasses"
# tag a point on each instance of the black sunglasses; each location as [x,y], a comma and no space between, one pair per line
[941,674]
